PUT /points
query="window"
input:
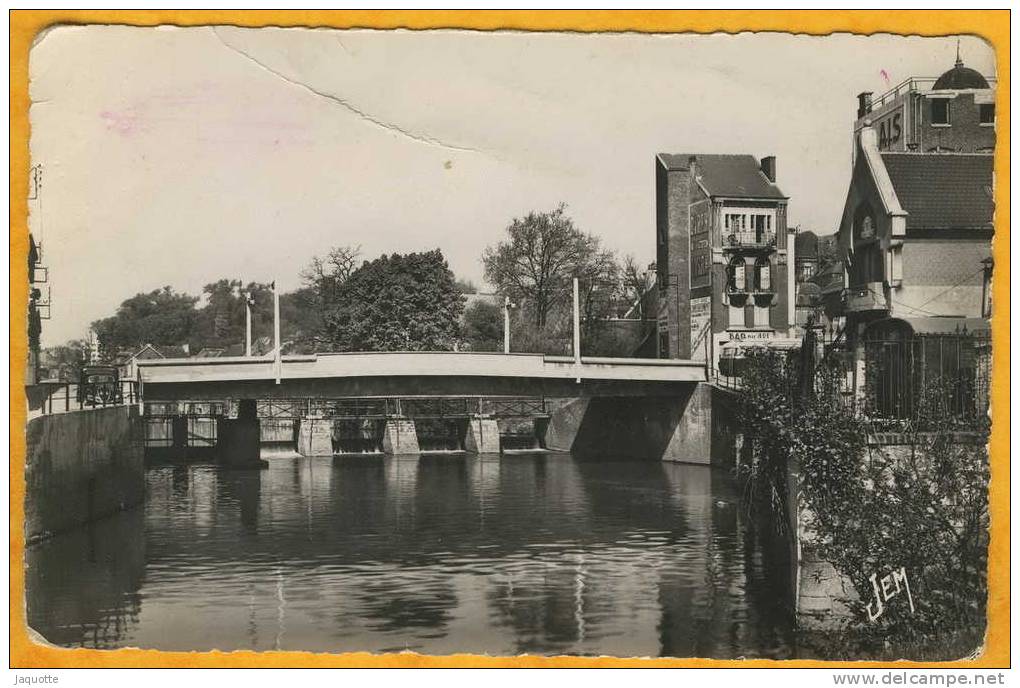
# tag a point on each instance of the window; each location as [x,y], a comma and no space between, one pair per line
[761,316]
[737,275]
[940,111]
[986,113]
[737,316]
[736,222]
[867,265]
[763,275]
[762,225]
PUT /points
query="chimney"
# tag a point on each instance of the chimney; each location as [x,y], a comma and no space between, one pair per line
[768,168]
[863,104]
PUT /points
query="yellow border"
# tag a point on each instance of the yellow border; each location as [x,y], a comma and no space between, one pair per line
[992,25]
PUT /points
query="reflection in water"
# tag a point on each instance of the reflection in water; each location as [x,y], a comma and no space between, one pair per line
[438,554]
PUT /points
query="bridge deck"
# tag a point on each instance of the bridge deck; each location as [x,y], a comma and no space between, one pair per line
[388,364]
[398,373]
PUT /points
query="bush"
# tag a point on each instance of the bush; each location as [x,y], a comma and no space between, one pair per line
[874,511]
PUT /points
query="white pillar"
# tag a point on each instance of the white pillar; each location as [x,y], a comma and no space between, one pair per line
[247,325]
[278,362]
[506,324]
[791,280]
[577,325]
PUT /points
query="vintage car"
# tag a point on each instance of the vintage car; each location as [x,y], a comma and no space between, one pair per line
[99,385]
[733,355]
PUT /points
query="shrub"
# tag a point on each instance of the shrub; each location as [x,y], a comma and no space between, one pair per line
[873,511]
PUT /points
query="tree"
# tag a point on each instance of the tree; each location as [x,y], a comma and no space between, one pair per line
[483,326]
[535,266]
[321,281]
[221,322]
[325,276]
[63,361]
[396,303]
[634,286]
[543,251]
[162,316]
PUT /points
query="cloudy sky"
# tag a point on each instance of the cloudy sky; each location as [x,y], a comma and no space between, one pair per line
[180,156]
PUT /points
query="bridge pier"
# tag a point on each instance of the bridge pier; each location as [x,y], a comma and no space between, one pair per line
[400,437]
[482,436]
[239,439]
[315,436]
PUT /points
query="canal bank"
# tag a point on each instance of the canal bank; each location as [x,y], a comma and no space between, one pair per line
[81,466]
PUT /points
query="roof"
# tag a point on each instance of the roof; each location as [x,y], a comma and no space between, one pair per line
[959,78]
[943,191]
[732,176]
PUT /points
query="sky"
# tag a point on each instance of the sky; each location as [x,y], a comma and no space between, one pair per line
[179,156]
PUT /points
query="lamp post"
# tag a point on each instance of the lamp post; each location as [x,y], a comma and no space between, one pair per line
[577,323]
[507,305]
[249,301]
[278,359]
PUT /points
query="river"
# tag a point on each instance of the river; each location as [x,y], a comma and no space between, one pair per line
[528,553]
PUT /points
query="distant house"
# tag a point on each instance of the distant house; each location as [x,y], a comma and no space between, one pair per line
[126,360]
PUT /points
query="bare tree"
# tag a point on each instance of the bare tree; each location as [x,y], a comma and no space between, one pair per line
[324,276]
[634,285]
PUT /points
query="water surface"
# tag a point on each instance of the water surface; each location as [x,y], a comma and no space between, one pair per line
[536,553]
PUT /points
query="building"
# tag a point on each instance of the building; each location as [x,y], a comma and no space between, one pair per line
[126,360]
[954,113]
[722,253]
[915,236]
[815,257]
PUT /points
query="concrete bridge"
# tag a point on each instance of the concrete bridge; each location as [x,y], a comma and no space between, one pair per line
[425,373]
[605,404]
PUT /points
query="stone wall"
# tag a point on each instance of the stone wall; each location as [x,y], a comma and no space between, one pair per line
[697,428]
[81,466]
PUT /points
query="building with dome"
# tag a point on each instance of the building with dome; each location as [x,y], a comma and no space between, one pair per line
[954,113]
[915,239]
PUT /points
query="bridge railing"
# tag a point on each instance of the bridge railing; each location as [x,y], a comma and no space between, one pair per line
[62,397]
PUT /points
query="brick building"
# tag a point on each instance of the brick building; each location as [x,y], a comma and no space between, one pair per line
[954,113]
[722,253]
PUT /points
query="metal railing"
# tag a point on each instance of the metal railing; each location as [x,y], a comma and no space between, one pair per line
[750,238]
[68,396]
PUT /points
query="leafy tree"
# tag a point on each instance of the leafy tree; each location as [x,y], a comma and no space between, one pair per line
[64,360]
[221,321]
[542,253]
[162,316]
[396,303]
[535,267]
[483,326]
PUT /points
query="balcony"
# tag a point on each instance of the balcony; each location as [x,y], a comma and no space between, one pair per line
[750,240]
[866,298]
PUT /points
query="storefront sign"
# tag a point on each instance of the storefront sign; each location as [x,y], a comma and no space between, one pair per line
[701,248]
[701,318]
[890,130]
[751,335]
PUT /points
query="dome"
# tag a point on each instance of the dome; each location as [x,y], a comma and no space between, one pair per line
[959,78]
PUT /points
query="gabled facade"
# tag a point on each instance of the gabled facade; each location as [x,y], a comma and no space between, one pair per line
[915,238]
[723,253]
